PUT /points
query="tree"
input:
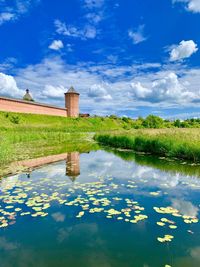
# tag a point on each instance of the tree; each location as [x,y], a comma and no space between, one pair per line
[153,121]
[177,123]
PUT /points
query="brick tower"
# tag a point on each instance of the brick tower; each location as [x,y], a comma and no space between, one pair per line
[72,103]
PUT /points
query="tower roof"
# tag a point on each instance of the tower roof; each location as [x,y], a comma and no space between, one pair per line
[27,96]
[72,91]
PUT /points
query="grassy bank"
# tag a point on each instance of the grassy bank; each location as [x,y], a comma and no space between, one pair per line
[25,146]
[50,145]
[176,143]
[31,122]
[24,136]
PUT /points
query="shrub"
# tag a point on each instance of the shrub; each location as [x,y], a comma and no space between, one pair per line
[125,119]
[114,117]
[15,119]
[153,122]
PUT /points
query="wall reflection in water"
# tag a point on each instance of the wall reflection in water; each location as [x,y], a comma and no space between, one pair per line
[72,161]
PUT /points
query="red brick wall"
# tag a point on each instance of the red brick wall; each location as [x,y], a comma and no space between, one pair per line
[15,105]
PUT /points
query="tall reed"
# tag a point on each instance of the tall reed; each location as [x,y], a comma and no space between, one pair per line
[161,144]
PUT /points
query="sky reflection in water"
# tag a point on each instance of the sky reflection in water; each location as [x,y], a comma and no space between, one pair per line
[99,210]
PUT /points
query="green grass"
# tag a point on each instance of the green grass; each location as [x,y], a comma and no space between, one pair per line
[21,121]
[24,136]
[175,143]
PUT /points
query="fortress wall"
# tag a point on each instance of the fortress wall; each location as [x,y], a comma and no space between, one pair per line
[21,106]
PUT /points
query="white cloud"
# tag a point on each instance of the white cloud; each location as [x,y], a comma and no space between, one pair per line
[94,18]
[99,93]
[94,11]
[194,5]
[184,50]
[191,5]
[62,28]
[139,90]
[14,12]
[93,14]
[7,64]
[54,91]
[165,89]
[137,36]
[56,45]
[185,207]
[170,88]
[8,86]
[23,7]
[6,16]
[88,32]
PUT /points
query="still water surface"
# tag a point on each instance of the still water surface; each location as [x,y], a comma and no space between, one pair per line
[99,210]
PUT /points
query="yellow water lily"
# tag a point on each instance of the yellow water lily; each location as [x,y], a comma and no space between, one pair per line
[155,193]
[160,223]
[166,238]
[172,226]
[81,213]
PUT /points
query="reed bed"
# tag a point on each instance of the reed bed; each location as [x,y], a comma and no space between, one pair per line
[176,143]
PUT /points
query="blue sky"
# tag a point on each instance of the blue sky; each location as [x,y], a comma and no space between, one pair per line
[125,57]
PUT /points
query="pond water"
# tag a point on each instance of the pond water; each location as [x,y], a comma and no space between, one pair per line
[99,209]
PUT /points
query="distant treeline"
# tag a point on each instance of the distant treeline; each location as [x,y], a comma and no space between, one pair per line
[157,122]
